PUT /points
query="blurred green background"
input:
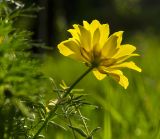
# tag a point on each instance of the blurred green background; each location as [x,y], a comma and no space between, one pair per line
[121,114]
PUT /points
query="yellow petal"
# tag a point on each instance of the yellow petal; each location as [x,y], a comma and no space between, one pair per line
[75,26]
[94,25]
[78,57]
[109,48]
[107,62]
[104,33]
[74,33]
[87,55]
[124,50]
[96,37]
[123,58]
[85,38]
[69,47]
[130,65]
[99,75]
[64,50]
[86,25]
[119,77]
[119,35]
[96,46]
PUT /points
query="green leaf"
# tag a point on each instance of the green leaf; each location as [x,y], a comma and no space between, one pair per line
[94,130]
[78,130]
[57,125]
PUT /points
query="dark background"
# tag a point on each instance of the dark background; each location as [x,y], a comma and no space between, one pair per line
[58,15]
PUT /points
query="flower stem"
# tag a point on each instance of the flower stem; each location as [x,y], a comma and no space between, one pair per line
[77,81]
[53,112]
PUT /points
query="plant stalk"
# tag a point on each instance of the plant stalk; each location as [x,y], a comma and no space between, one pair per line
[84,122]
[77,81]
[53,112]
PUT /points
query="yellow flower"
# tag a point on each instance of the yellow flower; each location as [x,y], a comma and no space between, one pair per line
[92,45]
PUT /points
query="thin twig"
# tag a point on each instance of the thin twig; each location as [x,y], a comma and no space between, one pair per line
[83,121]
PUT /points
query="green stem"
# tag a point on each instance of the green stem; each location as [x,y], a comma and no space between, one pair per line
[52,112]
[77,81]
[59,97]
[84,122]
[70,123]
